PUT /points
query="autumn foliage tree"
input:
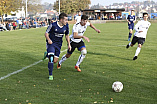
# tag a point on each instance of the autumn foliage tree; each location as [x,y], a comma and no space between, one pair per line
[6,6]
[71,6]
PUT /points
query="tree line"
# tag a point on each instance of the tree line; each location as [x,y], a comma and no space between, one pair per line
[34,6]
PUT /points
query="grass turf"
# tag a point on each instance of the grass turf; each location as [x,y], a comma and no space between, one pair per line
[107,61]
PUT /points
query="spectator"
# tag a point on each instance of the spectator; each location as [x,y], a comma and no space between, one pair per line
[17,22]
[20,24]
[14,26]
[8,26]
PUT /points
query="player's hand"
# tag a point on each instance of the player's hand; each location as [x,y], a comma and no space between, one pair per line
[50,41]
[86,38]
[69,47]
[129,22]
[97,30]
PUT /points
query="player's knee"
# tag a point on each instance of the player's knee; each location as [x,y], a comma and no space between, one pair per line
[139,45]
[67,55]
[51,57]
[84,52]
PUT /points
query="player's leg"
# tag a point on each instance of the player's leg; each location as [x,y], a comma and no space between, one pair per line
[50,64]
[81,57]
[64,57]
[51,54]
[67,55]
[140,43]
[130,31]
[132,43]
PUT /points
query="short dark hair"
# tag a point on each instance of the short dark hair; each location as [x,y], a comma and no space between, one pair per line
[145,14]
[84,17]
[62,15]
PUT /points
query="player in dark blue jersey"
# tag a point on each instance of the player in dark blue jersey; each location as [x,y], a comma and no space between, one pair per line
[54,35]
[131,20]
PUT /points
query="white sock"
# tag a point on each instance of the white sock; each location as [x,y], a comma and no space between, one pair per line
[62,59]
[137,51]
[80,59]
[130,44]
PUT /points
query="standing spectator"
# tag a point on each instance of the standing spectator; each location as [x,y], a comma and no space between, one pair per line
[14,26]
[20,24]
[8,26]
[17,22]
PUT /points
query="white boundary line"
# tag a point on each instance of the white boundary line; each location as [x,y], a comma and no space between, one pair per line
[15,72]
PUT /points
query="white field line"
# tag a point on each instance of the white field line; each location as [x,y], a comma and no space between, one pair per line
[15,72]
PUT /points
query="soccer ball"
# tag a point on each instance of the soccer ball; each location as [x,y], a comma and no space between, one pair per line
[117,86]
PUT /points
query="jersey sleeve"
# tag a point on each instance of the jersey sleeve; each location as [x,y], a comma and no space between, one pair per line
[67,29]
[49,29]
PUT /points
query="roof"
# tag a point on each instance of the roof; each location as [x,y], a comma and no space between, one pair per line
[122,9]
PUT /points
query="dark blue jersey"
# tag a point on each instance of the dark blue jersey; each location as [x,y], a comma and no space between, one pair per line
[56,32]
[131,18]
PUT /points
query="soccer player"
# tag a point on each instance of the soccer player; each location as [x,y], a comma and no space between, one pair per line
[78,18]
[140,35]
[131,20]
[76,41]
[54,35]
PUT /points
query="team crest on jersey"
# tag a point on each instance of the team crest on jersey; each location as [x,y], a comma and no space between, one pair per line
[55,29]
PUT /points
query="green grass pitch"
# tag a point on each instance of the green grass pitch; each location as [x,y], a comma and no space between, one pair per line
[107,61]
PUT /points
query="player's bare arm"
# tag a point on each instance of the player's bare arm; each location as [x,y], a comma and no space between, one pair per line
[48,39]
[76,36]
[92,26]
[68,41]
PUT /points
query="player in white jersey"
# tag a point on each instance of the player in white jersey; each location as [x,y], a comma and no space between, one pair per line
[141,29]
[78,18]
[77,41]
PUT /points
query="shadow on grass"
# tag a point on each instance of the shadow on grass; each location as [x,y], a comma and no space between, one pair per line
[109,55]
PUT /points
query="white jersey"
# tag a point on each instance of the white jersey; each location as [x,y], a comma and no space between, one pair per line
[142,26]
[80,30]
[78,19]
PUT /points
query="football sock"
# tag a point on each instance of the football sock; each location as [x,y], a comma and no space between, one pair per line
[130,34]
[80,59]
[129,44]
[62,59]
[50,67]
[137,51]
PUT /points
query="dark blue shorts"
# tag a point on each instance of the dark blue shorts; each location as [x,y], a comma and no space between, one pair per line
[52,48]
[131,26]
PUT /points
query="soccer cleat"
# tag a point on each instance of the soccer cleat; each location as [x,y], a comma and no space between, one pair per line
[127,46]
[51,77]
[45,55]
[135,57]
[78,68]
[128,39]
[58,66]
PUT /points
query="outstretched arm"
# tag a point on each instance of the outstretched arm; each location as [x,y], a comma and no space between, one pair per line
[92,26]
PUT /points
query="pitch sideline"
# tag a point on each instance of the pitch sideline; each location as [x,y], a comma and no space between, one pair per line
[15,72]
